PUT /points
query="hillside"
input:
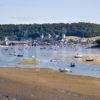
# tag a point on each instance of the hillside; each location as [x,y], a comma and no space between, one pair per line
[56,30]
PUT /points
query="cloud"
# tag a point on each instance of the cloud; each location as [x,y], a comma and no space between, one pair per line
[23,18]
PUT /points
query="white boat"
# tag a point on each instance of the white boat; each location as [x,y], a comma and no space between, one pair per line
[89,59]
[64,70]
[78,56]
[53,60]
[67,70]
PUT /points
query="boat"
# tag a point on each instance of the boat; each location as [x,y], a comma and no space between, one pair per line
[53,60]
[19,55]
[89,59]
[42,47]
[72,65]
[64,70]
[78,56]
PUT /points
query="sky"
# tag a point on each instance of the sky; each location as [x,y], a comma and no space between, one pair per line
[49,11]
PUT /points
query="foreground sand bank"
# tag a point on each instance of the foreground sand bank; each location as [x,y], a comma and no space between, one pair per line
[46,84]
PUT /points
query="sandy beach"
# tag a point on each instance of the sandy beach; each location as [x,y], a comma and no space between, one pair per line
[46,84]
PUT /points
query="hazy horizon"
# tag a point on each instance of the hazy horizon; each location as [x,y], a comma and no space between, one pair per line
[45,23]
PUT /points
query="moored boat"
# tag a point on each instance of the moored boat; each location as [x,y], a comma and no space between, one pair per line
[64,70]
[78,56]
[89,59]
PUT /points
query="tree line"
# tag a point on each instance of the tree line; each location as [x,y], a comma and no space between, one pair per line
[33,31]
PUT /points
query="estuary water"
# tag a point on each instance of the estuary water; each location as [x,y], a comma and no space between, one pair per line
[54,57]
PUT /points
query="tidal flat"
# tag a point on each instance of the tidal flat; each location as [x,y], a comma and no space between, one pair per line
[43,84]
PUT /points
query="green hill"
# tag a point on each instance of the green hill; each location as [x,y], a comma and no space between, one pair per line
[25,31]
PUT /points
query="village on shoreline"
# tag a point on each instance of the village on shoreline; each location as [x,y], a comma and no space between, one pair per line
[49,41]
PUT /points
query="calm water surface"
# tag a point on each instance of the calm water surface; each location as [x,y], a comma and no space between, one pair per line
[61,56]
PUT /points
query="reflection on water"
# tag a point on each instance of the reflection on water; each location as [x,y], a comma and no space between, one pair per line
[51,57]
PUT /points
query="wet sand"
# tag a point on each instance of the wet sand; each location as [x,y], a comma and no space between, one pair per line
[29,61]
[46,84]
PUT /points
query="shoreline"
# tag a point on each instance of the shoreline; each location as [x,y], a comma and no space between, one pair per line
[54,70]
[37,69]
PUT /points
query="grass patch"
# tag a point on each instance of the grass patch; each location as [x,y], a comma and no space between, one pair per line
[72,37]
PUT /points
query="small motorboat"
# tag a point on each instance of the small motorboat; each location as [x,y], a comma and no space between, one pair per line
[78,56]
[64,70]
[72,65]
[89,59]
[42,48]
[19,55]
[53,60]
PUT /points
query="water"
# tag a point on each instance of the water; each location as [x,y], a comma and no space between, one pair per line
[61,58]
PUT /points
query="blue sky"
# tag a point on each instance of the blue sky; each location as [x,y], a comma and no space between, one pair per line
[49,11]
